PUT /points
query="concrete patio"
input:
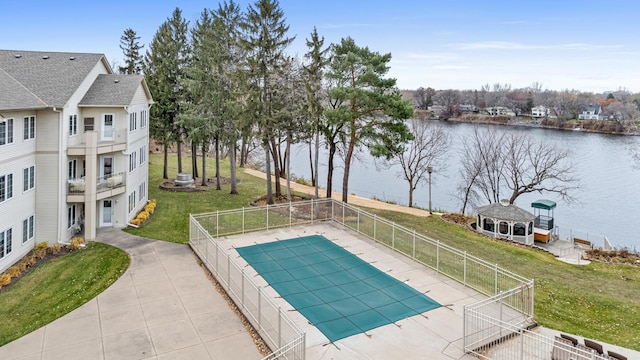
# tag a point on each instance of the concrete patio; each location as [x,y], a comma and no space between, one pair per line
[163,307]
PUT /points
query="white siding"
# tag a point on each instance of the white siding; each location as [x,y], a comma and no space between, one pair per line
[48,178]
[16,209]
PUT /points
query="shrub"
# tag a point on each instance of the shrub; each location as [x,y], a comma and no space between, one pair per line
[135,221]
[5,280]
[13,271]
[56,248]
[23,264]
[41,245]
[143,215]
[76,243]
[39,253]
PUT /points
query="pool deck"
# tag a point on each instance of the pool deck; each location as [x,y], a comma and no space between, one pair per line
[436,334]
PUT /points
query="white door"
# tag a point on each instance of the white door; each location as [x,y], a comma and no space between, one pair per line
[106,213]
[107,127]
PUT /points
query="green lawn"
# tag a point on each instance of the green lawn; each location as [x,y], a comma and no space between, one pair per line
[592,301]
[57,287]
[170,221]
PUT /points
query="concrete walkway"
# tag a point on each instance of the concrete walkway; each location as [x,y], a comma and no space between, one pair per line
[163,307]
[352,199]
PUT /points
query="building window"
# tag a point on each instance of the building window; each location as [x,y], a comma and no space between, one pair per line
[6,131]
[143,118]
[28,225]
[28,178]
[132,161]
[5,242]
[133,121]
[143,154]
[73,124]
[142,190]
[73,169]
[88,124]
[29,127]
[71,216]
[132,201]
[6,187]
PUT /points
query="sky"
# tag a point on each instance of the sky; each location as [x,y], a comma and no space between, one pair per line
[585,45]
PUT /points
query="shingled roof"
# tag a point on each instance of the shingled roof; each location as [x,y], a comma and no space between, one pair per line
[38,79]
[505,212]
[112,90]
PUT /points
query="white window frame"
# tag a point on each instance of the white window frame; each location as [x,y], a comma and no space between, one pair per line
[6,187]
[29,127]
[71,216]
[29,178]
[73,125]
[73,169]
[133,121]
[28,228]
[132,201]
[133,161]
[142,190]
[7,131]
[143,154]
[143,118]
[6,242]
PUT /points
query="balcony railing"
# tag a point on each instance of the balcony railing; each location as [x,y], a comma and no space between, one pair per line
[113,136]
[103,183]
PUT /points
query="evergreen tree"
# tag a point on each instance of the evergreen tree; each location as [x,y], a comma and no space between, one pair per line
[131,50]
[265,40]
[164,66]
[372,109]
[313,74]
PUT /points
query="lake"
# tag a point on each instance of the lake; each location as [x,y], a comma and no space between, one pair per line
[607,201]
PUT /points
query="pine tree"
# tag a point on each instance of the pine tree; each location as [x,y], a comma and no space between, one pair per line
[131,50]
[372,109]
[265,41]
[164,66]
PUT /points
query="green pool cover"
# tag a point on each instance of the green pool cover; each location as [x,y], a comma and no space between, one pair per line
[339,293]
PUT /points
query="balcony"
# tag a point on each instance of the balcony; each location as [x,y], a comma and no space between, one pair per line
[106,186]
[104,142]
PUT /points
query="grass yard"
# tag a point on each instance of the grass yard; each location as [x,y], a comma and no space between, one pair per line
[170,221]
[593,301]
[57,287]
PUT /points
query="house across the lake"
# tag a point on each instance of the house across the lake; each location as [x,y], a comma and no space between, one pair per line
[73,148]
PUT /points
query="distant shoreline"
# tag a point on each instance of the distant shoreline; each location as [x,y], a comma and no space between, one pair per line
[587,126]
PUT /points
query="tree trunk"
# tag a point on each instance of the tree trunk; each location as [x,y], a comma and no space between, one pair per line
[317,154]
[313,173]
[332,153]
[217,144]
[276,168]
[288,165]
[268,171]
[179,150]
[204,163]
[347,165]
[232,167]
[165,171]
[194,159]
[410,196]
[243,150]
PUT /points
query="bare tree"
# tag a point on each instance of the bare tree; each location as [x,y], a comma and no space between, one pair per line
[429,147]
[495,163]
[537,167]
[423,98]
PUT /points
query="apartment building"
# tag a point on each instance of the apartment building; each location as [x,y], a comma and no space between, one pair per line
[74,142]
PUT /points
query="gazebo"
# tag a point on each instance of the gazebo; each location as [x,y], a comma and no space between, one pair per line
[506,221]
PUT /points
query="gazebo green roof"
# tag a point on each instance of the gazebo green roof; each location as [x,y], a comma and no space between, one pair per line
[543,204]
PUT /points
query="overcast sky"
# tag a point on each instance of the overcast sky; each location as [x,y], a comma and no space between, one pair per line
[447,44]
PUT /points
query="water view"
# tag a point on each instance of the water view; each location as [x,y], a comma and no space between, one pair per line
[606,201]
